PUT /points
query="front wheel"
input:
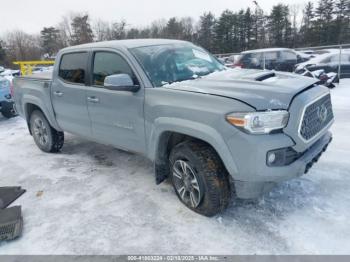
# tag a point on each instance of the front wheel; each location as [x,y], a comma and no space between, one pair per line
[199,178]
[45,137]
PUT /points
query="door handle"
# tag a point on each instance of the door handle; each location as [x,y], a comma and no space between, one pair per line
[93,99]
[58,93]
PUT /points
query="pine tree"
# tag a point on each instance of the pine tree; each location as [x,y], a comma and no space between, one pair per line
[241,31]
[259,29]
[249,23]
[174,29]
[342,23]
[279,26]
[306,31]
[324,25]
[206,31]
[145,33]
[133,33]
[82,32]
[2,53]
[224,32]
[50,40]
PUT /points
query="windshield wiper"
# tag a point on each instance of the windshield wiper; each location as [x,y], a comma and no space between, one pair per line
[181,80]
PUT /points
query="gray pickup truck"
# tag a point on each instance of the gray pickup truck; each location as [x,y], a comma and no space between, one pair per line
[209,129]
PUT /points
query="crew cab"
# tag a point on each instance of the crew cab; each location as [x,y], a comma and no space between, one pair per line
[209,129]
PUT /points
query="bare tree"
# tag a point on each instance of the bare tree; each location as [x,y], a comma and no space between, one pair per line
[103,30]
[81,28]
[119,30]
[22,46]
[294,13]
[65,30]
[158,28]
[188,28]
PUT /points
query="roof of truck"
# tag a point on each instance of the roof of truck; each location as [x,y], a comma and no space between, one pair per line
[129,43]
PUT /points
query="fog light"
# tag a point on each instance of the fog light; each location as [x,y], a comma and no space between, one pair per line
[282,157]
[271,158]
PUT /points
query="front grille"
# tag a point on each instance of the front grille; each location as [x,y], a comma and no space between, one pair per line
[316,117]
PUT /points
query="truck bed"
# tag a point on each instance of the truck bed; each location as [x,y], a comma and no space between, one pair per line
[39,76]
[33,89]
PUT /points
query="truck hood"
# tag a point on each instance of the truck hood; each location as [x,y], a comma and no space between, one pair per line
[262,90]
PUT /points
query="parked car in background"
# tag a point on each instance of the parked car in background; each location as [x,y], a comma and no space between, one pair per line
[329,62]
[279,59]
[6,102]
[303,57]
[9,74]
[227,61]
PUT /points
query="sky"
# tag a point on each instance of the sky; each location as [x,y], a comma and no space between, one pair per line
[32,16]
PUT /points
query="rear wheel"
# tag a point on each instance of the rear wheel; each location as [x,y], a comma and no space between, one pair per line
[199,178]
[46,138]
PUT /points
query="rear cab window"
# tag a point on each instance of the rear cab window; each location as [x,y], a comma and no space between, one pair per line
[73,67]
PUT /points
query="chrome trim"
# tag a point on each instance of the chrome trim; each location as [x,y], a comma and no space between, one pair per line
[316,136]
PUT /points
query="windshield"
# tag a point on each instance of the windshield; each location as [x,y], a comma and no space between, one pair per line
[166,64]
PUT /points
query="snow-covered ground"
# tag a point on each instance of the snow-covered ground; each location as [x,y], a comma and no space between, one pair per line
[99,200]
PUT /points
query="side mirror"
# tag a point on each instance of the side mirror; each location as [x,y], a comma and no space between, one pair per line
[120,82]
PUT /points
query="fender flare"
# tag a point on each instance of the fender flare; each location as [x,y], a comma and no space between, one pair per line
[194,129]
[29,99]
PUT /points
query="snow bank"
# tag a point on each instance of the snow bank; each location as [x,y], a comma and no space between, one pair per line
[99,200]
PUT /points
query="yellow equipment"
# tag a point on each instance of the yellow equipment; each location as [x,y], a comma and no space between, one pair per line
[26,67]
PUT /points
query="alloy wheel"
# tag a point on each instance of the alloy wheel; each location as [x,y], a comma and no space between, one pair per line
[186,183]
[40,132]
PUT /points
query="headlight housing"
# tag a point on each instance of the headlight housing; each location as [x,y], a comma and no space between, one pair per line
[259,122]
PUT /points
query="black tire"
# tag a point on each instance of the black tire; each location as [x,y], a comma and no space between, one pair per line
[53,140]
[210,174]
[8,111]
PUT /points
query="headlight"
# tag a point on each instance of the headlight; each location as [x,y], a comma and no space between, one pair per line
[259,122]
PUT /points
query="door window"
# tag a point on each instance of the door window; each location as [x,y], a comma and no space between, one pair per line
[73,67]
[289,55]
[106,64]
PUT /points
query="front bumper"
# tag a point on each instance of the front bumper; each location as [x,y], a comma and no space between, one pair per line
[262,178]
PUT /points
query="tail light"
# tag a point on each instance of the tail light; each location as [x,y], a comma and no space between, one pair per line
[238,64]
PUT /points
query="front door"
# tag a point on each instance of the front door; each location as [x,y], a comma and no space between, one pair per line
[68,94]
[116,116]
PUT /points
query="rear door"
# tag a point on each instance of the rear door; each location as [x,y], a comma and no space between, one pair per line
[68,94]
[117,117]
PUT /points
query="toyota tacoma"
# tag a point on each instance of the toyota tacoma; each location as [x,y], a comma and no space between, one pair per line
[209,129]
